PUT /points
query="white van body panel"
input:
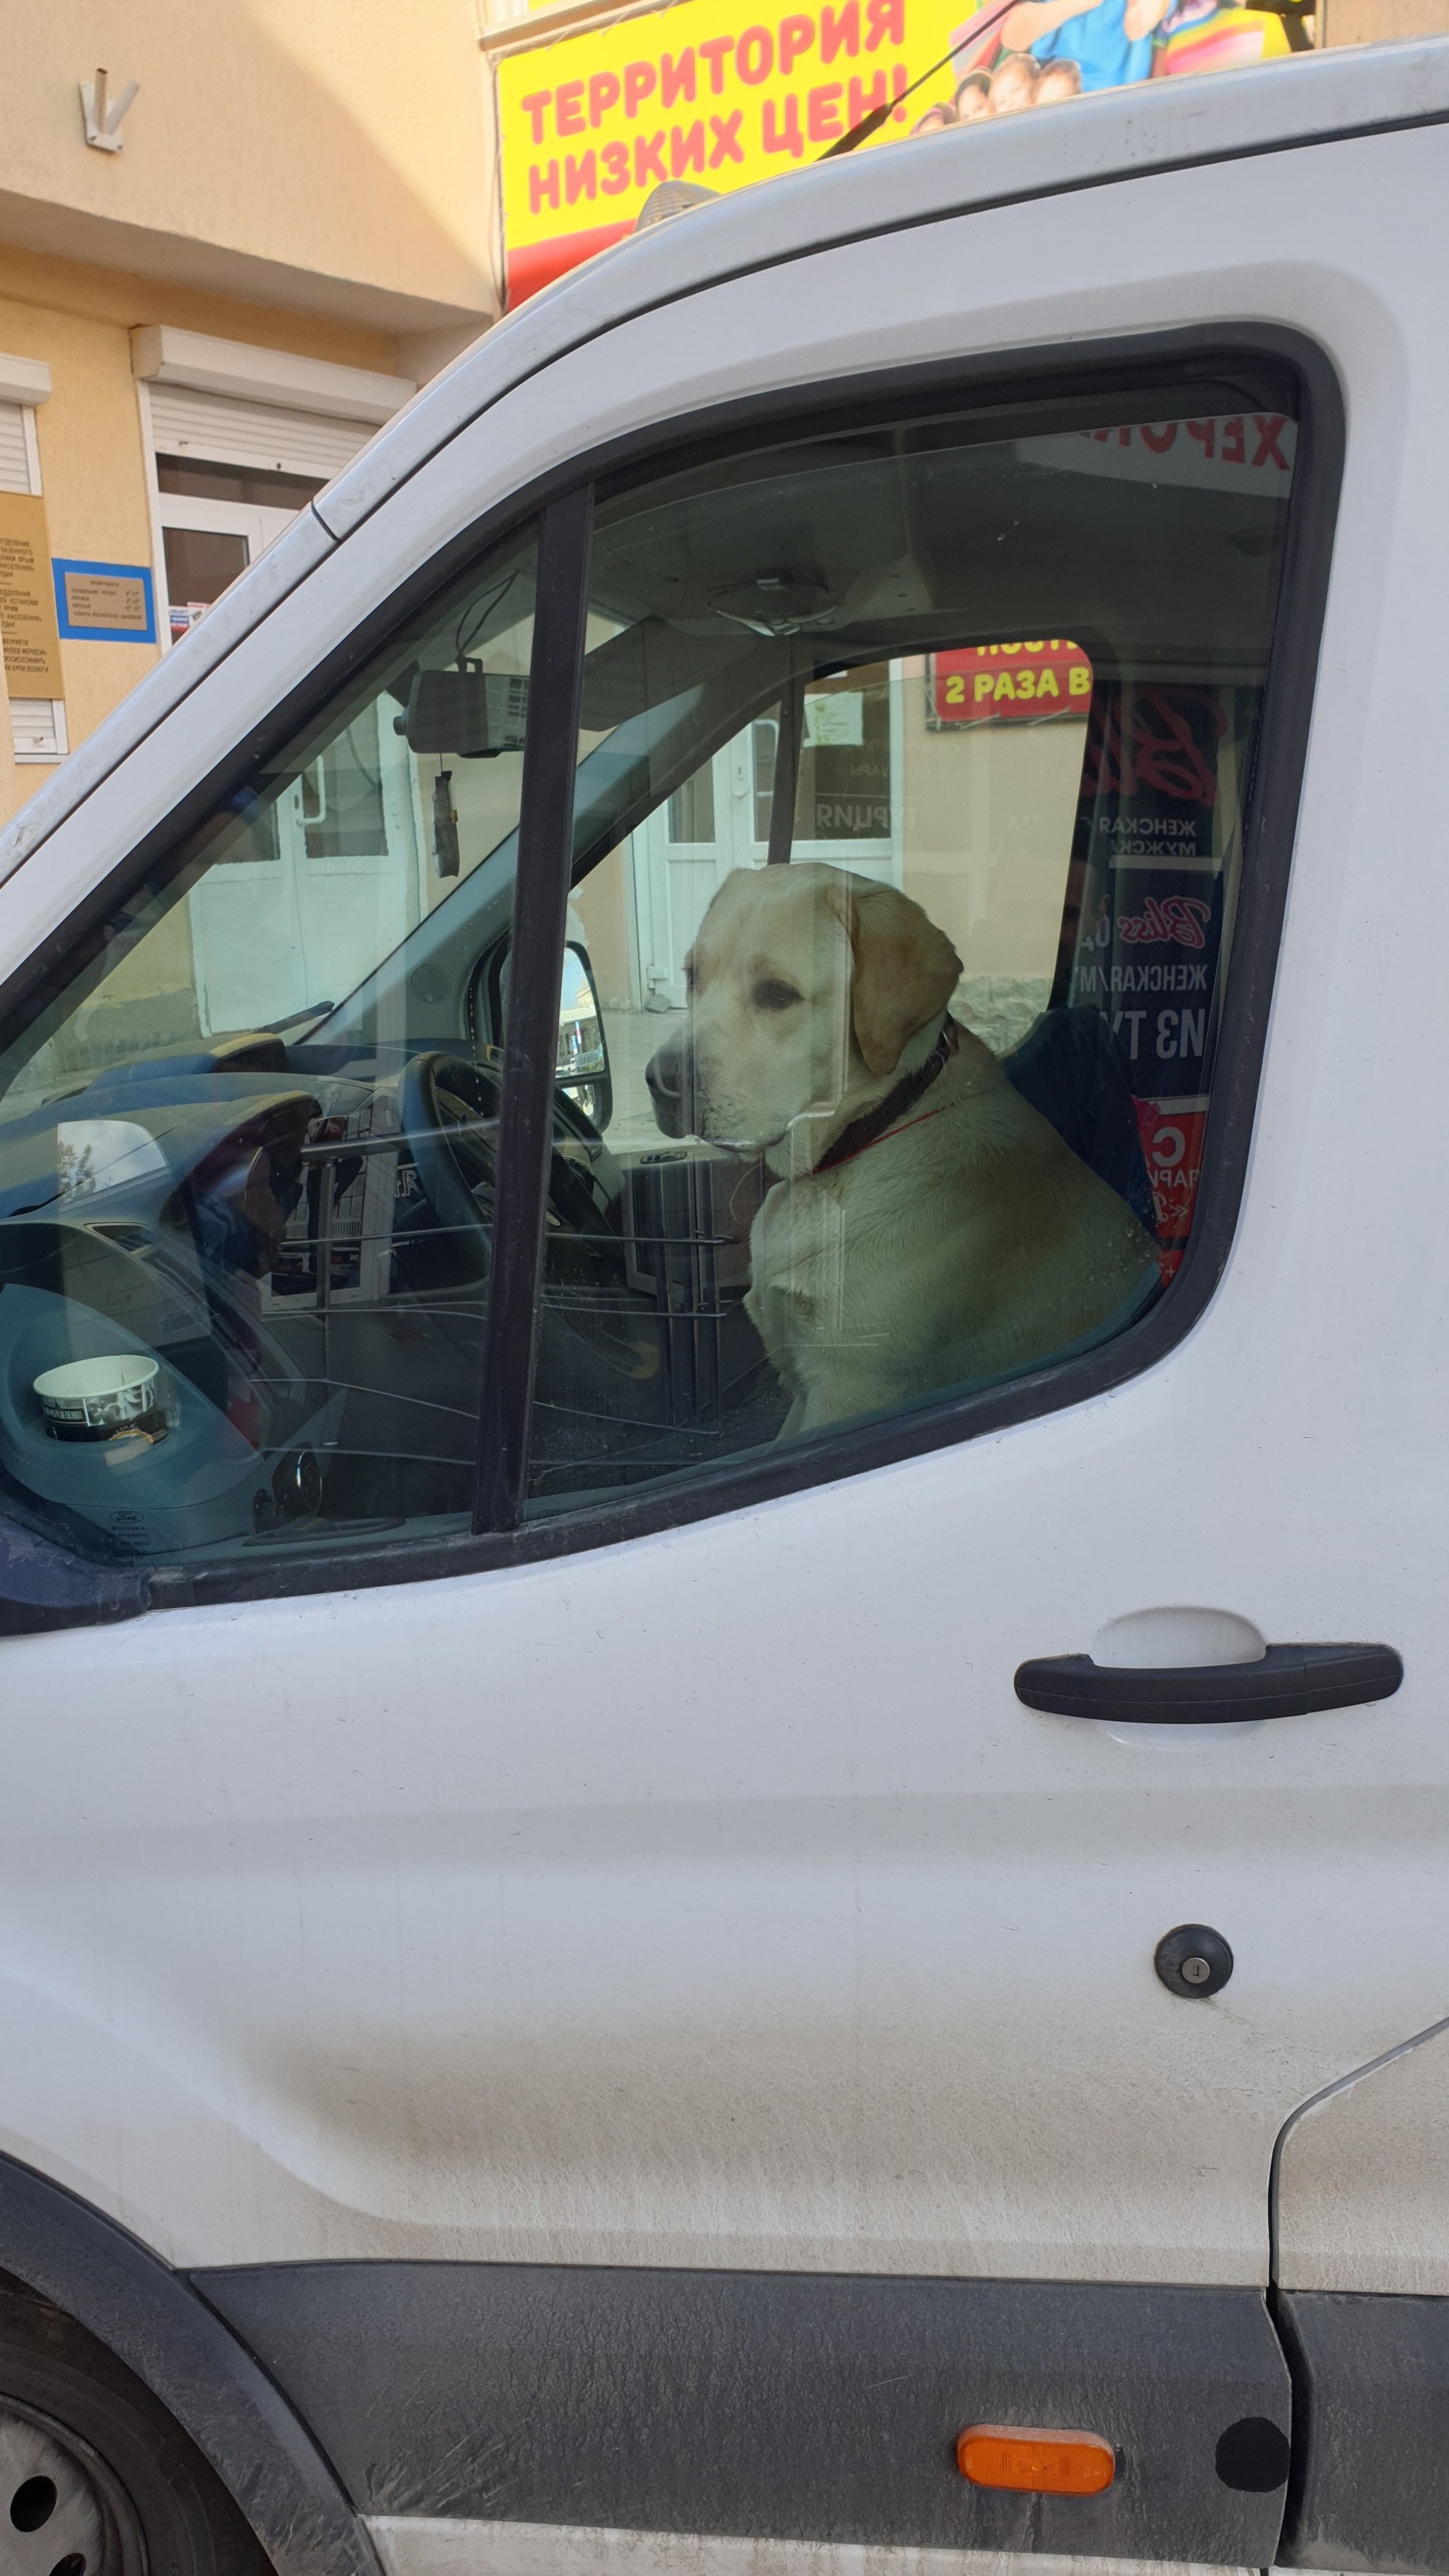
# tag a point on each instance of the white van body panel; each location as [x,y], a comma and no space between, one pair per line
[1363,2180]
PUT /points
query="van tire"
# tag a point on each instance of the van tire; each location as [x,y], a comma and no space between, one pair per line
[96,2479]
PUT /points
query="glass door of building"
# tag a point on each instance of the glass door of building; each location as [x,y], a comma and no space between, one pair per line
[216,519]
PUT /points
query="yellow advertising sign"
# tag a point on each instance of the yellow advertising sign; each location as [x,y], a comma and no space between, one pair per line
[27,600]
[709,91]
[713,94]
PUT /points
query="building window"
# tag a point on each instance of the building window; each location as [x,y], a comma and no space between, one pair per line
[37,725]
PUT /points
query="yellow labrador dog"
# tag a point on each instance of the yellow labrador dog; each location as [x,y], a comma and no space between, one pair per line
[927,1225]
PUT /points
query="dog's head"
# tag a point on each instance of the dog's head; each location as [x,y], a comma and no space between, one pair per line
[806,985]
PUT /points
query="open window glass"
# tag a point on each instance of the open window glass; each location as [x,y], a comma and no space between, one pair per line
[908,841]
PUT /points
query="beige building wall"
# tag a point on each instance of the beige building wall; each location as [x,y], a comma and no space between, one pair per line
[78,319]
[331,156]
[1380,22]
[315,177]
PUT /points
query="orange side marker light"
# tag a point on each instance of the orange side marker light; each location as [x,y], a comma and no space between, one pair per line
[1033,2462]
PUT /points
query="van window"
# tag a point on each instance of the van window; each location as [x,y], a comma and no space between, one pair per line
[909,796]
[908,838]
[247,1147]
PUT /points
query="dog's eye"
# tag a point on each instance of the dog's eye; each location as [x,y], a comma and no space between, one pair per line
[772,996]
[691,974]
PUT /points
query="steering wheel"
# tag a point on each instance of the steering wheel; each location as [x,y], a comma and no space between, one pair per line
[455,1158]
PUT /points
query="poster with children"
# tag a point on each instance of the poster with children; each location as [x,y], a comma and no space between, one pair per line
[1039,53]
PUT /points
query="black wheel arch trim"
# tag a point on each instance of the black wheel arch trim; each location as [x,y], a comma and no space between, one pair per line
[1123,366]
[154,2321]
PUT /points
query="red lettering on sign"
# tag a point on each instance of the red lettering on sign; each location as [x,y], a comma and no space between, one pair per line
[726,145]
[755,55]
[1206,434]
[786,137]
[839,27]
[1232,447]
[885,23]
[580,178]
[714,50]
[1181,920]
[533,108]
[1165,749]
[822,112]
[603,94]
[797,35]
[676,80]
[568,107]
[686,150]
[1270,427]
[638,85]
[543,188]
[615,158]
[1172,1142]
[648,158]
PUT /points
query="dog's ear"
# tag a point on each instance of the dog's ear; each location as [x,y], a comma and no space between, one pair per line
[905,969]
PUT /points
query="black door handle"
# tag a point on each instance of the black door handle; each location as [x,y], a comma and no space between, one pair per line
[1287,1681]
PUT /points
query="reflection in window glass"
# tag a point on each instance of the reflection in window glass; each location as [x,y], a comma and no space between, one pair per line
[691,808]
[247,1148]
[922,1107]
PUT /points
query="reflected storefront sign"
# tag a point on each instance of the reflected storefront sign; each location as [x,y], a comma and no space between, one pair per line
[1007,684]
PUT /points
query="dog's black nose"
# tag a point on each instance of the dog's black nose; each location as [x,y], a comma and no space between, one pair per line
[669,1075]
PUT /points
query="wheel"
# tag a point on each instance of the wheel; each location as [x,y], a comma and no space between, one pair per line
[95,2477]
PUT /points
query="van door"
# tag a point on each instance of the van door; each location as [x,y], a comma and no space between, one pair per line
[658,1960]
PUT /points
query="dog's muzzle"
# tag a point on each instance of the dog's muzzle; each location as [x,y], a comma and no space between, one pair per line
[670,1076]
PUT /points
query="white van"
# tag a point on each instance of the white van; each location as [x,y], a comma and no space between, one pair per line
[726,1823]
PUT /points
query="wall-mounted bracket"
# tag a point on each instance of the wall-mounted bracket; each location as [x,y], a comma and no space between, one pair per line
[102,113]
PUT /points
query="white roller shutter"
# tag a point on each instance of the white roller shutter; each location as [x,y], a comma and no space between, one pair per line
[37,725]
[214,427]
[14,449]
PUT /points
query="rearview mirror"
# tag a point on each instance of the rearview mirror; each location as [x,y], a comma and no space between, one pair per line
[470,712]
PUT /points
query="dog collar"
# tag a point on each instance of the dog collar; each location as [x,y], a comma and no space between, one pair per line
[874,1124]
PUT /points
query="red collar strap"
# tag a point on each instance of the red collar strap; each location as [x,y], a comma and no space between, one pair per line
[874,1124]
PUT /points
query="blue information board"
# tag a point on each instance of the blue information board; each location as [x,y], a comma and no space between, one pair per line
[104,603]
